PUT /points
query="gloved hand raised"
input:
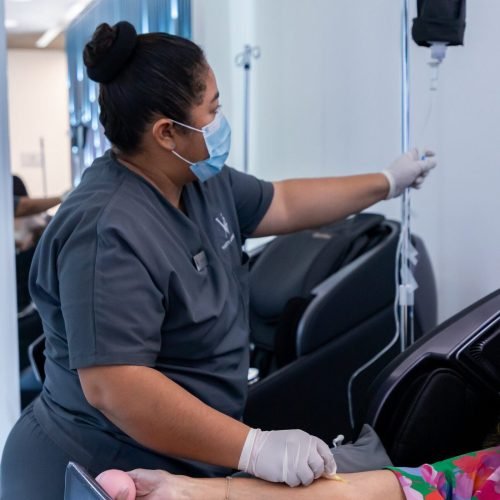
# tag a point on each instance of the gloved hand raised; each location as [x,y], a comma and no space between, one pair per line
[408,171]
[291,456]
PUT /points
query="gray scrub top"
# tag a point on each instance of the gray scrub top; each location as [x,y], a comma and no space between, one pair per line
[120,276]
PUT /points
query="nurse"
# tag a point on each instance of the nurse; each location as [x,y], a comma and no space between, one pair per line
[142,286]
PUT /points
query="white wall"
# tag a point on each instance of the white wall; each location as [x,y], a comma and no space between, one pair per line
[38,99]
[9,366]
[222,28]
[327,102]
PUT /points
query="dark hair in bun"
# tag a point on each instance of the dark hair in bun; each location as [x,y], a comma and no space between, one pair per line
[142,76]
[109,51]
[103,38]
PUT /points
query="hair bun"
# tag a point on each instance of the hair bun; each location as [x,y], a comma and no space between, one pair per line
[109,50]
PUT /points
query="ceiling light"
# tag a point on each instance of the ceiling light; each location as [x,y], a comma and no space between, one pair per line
[47,38]
[11,23]
[73,12]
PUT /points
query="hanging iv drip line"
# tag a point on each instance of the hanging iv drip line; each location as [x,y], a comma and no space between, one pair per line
[403,304]
[434,65]
[438,53]
[244,60]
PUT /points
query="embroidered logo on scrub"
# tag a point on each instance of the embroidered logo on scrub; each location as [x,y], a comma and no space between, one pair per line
[228,234]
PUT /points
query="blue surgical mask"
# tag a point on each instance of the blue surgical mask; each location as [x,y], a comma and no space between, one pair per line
[217,135]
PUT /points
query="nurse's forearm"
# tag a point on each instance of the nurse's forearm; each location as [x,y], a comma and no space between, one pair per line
[306,203]
[162,416]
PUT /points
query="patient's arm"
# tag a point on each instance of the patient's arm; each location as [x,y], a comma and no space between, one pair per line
[159,485]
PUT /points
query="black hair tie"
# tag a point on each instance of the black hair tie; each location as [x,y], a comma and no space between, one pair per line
[115,58]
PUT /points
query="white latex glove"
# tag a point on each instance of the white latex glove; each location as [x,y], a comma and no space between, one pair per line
[292,457]
[408,171]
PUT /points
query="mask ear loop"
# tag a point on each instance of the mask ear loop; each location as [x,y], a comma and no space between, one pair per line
[187,126]
[191,128]
[182,158]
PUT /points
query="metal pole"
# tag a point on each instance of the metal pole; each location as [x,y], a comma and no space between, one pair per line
[44,166]
[244,59]
[9,351]
[405,287]
[246,110]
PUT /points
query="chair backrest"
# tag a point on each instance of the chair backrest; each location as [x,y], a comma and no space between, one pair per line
[441,397]
[363,288]
[292,265]
[37,358]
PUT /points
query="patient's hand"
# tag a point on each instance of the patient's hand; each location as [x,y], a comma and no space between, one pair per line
[117,484]
[157,485]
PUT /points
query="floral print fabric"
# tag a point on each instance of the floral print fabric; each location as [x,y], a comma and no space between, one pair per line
[470,476]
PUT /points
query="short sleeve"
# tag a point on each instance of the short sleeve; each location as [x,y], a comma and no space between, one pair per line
[253,198]
[112,310]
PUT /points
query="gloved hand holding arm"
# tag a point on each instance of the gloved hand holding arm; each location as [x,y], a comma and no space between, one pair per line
[408,171]
[289,456]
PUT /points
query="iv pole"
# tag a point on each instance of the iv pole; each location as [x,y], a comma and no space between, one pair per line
[244,59]
[43,165]
[439,23]
[406,288]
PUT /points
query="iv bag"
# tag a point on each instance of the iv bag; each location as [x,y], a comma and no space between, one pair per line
[439,21]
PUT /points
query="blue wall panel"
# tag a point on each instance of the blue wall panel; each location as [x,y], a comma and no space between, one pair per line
[170,16]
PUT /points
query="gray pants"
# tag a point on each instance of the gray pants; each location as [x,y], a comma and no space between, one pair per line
[32,465]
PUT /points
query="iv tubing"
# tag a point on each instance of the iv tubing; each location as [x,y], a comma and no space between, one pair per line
[403,320]
[405,295]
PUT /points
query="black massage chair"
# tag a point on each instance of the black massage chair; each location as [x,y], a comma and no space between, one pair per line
[321,306]
[441,397]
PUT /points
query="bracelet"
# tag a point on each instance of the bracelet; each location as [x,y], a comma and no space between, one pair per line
[228,486]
